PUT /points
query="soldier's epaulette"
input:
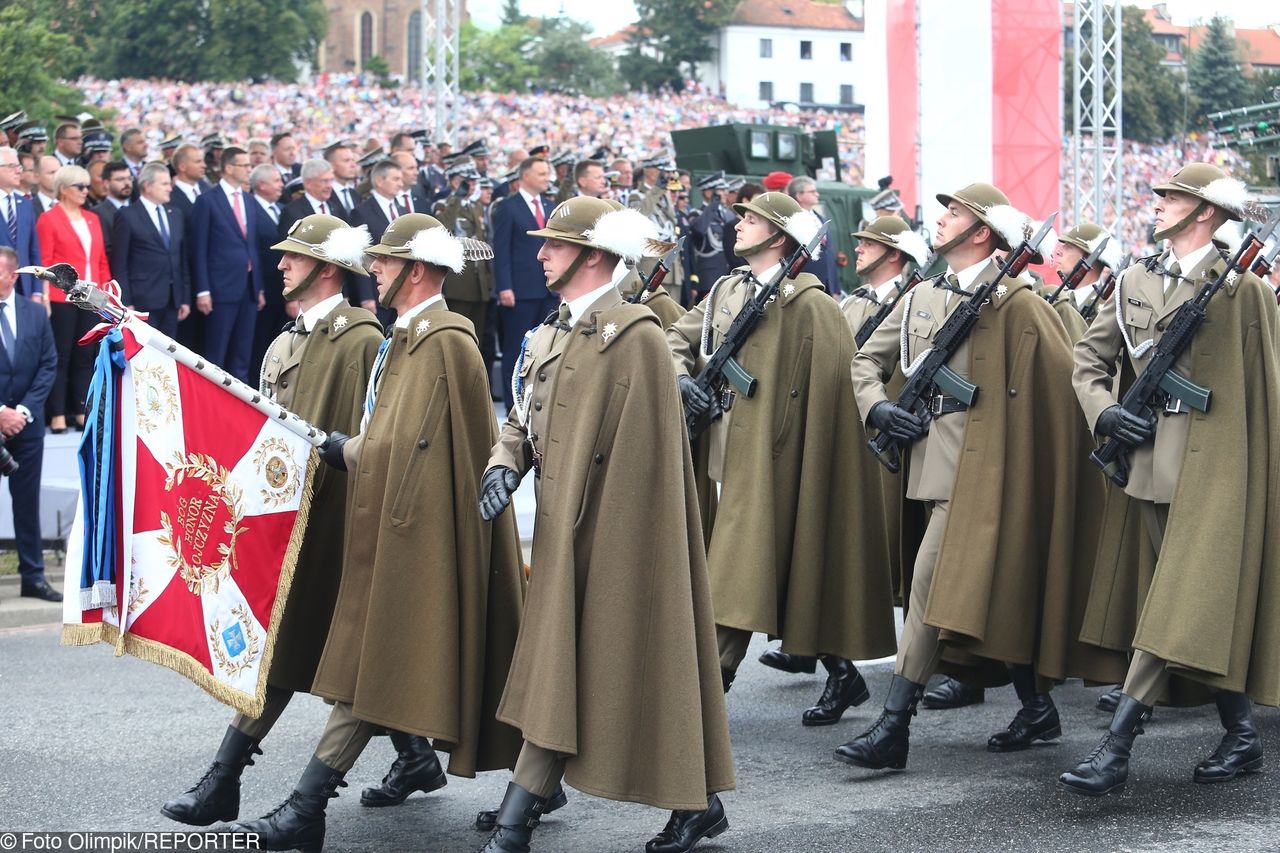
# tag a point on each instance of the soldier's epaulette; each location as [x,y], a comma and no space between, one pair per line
[608,325]
[429,323]
[350,318]
[1149,261]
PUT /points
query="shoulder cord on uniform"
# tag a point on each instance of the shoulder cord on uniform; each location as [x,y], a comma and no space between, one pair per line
[375,373]
[706,319]
[1135,352]
[517,382]
[908,369]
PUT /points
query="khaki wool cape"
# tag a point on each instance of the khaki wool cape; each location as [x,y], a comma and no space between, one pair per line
[1211,604]
[798,549]
[1012,577]
[616,665]
[327,390]
[431,595]
[658,301]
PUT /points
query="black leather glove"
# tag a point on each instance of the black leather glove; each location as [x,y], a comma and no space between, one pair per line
[496,487]
[331,450]
[1125,426]
[896,421]
[696,401]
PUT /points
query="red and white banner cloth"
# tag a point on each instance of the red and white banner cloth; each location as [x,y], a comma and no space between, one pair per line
[211,500]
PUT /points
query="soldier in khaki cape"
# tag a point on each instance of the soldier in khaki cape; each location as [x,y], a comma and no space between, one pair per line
[470,291]
[626,276]
[1205,482]
[797,547]
[317,368]
[430,599]
[655,199]
[614,682]
[1074,246]
[1006,597]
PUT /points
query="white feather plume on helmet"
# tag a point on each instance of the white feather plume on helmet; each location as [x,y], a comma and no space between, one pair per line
[1008,222]
[803,227]
[438,247]
[912,245]
[626,233]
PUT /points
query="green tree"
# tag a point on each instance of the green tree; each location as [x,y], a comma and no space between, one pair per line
[261,39]
[497,60]
[1153,93]
[31,56]
[678,33]
[566,60]
[1214,70]
[152,38]
[511,14]
[1266,85]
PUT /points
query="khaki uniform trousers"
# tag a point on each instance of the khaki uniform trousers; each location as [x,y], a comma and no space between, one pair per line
[277,700]
[1148,675]
[919,650]
[341,743]
[538,770]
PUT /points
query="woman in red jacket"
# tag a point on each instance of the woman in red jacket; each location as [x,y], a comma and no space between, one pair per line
[70,234]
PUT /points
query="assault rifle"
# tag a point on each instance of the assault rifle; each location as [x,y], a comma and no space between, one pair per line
[932,374]
[1159,384]
[1103,293]
[1263,266]
[873,322]
[1072,280]
[722,366]
[657,274]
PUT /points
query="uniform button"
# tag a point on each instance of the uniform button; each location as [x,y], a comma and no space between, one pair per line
[1013,392]
[422,444]
[599,458]
[542,377]
[1160,326]
[795,393]
[538,406]
[284,383]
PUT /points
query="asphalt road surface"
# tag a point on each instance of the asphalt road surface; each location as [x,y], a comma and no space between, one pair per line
[94,742]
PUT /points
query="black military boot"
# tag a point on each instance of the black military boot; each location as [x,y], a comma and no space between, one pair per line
[216,797]
[1108,701]
[1107,767]
[298,822]
[416,768]
[486,821]
[1241,748]
[786,662]
[845,689]
[685,829]
[886,743]
[726,678]
[951,693]
[517,817]
[1037,720]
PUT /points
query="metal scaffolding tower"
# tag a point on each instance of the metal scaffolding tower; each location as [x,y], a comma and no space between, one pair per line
[440,30]
[1097,114]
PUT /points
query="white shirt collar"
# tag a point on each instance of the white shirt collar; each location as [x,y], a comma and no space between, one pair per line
[118,204]
[227,188]
[266,205]
[383,202]
[149,205]
[528,199]
[1192,260]
[45,200]
[766,276]
[883,290]
[403,321]
[319,311]
[315,202]
[967,276]
[578,307]
[1082,293]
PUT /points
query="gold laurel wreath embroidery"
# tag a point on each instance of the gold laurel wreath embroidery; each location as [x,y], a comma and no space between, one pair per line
[251,650]
[138,593]
[268,452]
[154,413]
[201,578]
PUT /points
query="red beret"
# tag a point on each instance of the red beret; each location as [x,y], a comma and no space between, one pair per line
[776,181]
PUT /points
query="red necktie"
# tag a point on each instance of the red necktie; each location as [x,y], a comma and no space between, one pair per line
[538,216]
[235,203]
[324,208]
[407,203]
[394,212]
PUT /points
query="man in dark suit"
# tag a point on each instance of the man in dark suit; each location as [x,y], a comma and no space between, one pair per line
[376,212]
[147,253]
[188,170]
[228,273]
[317,196]
[284,156]
[410,198]
[523,298]
[18,220]
[805,191]
[267,187]
[119,190]
[28,361]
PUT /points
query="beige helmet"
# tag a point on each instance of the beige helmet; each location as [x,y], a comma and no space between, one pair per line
[329,239]
[1086,236]
[419,237]
[784,212]
[595,223]
[993,210]
[895,233]
[1211,185]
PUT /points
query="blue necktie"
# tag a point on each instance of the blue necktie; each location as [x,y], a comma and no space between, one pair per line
[13,221]
[164,225]
[6,331]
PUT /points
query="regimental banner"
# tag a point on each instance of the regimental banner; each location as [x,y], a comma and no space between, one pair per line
[194,506]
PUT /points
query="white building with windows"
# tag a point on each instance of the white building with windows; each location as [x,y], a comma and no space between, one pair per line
[806,52]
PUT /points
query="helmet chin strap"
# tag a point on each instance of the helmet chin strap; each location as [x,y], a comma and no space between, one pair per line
[876,264]
[1182,225]
[306,282]
[959,238]
[568,274]
[392,289]
[748,251]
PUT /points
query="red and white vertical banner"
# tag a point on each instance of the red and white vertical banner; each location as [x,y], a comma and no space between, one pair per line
[959,91]
[210,501]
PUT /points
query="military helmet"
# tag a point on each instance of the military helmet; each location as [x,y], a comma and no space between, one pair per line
[327,238]
[993,210]
[604,224]
[573,220]
[419,237]
[784,212]
[894,232]
[1086,236]
[1208,183]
